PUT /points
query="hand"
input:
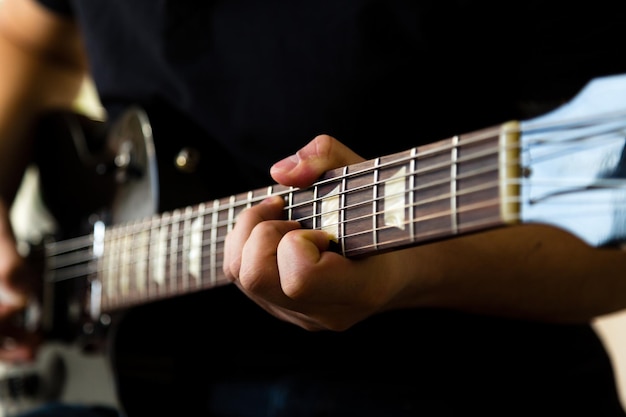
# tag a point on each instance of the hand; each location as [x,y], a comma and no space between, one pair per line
[17,344]
[527,271]
[289,271]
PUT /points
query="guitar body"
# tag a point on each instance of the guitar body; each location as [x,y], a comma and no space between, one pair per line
[111,173]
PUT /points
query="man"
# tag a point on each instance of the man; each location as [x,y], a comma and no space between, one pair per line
[495,323]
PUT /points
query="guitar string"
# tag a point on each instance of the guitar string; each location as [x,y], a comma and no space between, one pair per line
[175,283]
[219,242]
[397,162]
[77,243]
[85,242]
[446,213]
[70,244]
[415,173]
[443,147]
[78,256]
[71,259]
[125,296]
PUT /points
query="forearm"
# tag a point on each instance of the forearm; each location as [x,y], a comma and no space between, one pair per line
[534,272]
[46,69]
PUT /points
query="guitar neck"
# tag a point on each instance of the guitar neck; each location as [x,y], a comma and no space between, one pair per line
[427,193]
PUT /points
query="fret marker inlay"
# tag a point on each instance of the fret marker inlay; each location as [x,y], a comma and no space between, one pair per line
[161,255]
[330,213]
[395,190]
[195,250]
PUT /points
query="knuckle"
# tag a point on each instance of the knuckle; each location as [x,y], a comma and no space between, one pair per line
[231,268]
[265,229]
[295,287]
[251,279]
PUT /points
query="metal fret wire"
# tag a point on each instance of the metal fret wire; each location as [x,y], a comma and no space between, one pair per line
[76,251]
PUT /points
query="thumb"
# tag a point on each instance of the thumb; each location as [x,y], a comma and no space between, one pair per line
[305,166]
[308,269]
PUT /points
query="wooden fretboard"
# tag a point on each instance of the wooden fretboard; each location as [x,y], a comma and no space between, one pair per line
[426,193]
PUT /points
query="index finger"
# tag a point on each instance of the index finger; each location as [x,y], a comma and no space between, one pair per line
[269,209]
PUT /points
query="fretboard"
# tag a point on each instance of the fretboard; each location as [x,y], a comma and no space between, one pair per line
[427,193]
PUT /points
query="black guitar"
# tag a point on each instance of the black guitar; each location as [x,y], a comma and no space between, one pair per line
[566,169]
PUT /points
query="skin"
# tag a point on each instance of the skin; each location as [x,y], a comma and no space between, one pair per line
[531,271]
[47,68]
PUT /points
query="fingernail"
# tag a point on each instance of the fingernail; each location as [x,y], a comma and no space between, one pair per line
[275,199]
[286,164]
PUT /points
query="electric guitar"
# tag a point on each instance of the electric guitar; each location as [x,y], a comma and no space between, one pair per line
[566,168]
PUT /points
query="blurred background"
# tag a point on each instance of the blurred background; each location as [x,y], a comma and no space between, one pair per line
[62,372]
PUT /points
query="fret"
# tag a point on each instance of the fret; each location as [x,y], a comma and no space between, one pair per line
[375,212]
[194,255]
[124,261]
[231,212]
[315,211]
[358,207]
[453,185]
[411,194]
[300,204]
[139,258]
[195,252]
[186,248]
[160,257]
[118,253]
[342,217]
[249,196]
[142,254]
[289,204]
[327,199]
[213,245]
[174,258]
[393,178]
[152,288]
[222,222]
[478,187]
[432,191]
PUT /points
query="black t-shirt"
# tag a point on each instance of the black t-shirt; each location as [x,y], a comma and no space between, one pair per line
[254,81]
